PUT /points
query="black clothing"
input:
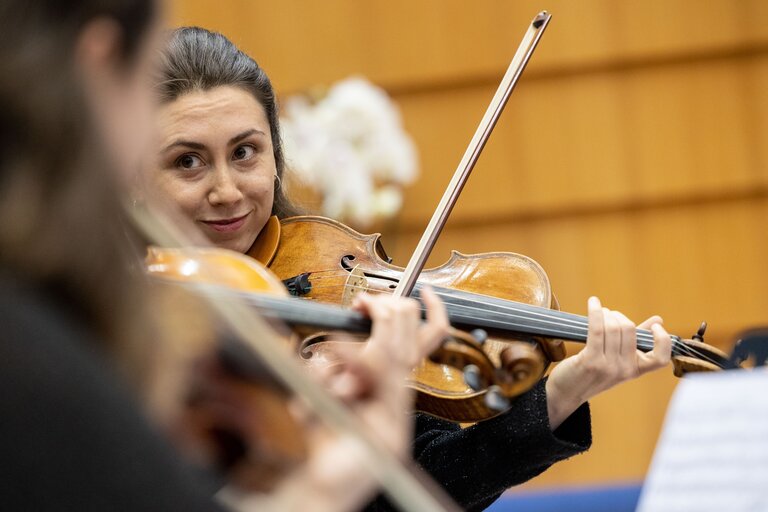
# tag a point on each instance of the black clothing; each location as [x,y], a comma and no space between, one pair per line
[71,437]
[475,465]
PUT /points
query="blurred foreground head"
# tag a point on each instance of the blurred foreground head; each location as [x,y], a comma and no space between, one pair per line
[75,110]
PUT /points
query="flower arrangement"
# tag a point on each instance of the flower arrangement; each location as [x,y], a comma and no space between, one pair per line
[350,148]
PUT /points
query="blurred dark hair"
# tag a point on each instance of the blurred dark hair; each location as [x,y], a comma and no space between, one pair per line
[63,226]
[196,59]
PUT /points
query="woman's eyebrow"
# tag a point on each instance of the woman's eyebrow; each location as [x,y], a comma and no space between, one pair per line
[196,145]
[247,133]
[184,143]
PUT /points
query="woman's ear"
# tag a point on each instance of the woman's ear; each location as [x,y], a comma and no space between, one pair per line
[97,50]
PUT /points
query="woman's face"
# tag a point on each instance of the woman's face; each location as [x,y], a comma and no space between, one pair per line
[216,164]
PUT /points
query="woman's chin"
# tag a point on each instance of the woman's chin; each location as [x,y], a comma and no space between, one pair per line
[240,245]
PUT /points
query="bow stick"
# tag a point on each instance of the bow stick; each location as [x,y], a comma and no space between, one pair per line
[476,145]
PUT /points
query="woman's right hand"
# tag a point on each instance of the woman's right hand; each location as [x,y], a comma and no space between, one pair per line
[371,382]
[374,379]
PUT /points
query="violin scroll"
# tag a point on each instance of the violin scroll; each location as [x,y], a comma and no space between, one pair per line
[693,355]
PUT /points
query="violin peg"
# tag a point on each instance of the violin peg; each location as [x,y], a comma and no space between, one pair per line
[472,377]
[479,335]
[495,399]
[699,336]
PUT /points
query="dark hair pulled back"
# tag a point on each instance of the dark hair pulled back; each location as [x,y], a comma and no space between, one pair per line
[196,59]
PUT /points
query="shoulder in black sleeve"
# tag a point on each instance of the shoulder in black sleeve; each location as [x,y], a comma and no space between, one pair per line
[476,464]
[71,438]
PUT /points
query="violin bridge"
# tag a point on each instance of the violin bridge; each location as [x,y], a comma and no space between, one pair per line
[356,283]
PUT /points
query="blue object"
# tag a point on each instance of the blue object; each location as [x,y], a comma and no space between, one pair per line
[610,498]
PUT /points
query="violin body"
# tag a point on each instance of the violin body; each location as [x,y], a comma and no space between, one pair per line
[341,262]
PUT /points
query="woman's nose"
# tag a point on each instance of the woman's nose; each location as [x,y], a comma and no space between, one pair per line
[225,189]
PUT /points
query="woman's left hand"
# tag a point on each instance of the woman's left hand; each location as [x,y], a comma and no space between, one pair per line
[609,358]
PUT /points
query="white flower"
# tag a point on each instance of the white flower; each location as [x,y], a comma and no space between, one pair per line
[387,201]
[345,144]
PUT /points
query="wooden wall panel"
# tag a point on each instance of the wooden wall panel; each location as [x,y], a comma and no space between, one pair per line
[604,138]
[401,43]
[631,161]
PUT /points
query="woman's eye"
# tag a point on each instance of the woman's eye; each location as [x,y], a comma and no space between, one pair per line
[189,162]
[243,152]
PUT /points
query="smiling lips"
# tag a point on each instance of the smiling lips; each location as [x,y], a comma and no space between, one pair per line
[227,225]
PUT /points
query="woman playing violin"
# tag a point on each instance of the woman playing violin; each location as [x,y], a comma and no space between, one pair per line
[81,338]
[220,162]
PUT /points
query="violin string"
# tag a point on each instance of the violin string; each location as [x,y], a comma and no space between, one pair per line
[452,304]
[531,311]
[550,319]
[339,272]
[644,338]
[331,277]
[544,313]
[558,319]
[347,285]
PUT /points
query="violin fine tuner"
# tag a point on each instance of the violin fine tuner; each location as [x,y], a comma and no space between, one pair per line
[479,335]
[472,377]
[495,399]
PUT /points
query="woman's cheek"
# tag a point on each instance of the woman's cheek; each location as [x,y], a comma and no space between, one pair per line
[187,198]
[263,193]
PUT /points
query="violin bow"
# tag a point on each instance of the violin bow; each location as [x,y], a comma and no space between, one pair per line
[401,484]
[476,145]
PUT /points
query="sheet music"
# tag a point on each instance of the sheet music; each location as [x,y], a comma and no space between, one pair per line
[712,455]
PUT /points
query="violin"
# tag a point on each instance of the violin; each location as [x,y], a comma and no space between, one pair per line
[505,294]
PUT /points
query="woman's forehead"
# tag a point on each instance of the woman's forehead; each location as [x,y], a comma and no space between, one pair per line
[212,114]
